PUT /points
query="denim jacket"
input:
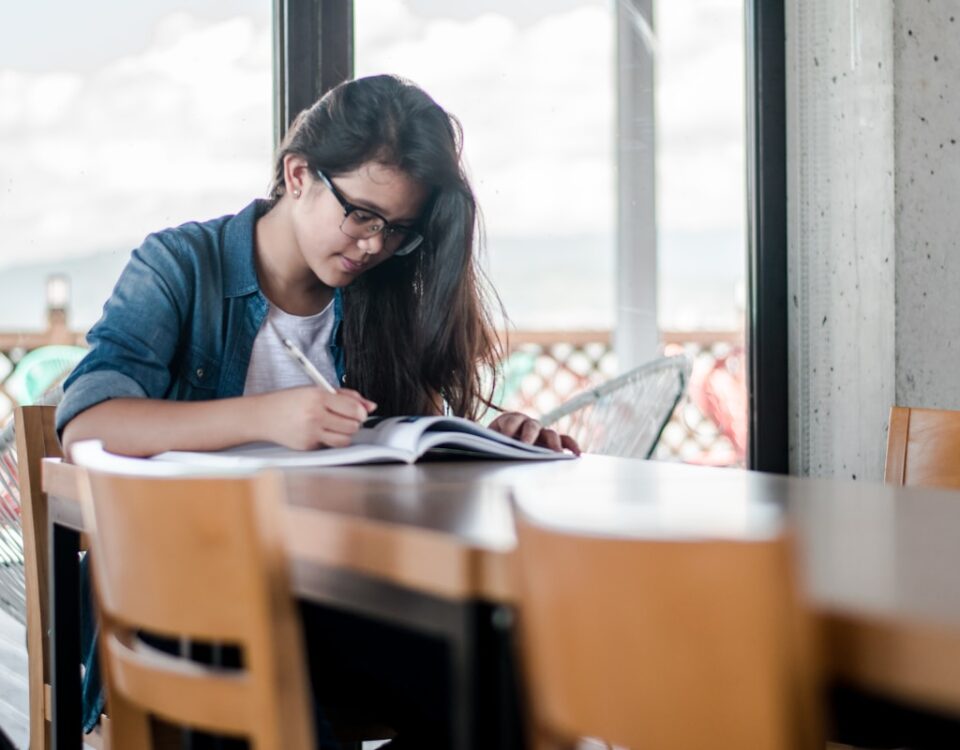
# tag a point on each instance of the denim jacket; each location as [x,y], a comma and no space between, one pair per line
[181,321]
[179,325]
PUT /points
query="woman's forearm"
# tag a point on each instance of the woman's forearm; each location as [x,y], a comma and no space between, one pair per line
[144,427]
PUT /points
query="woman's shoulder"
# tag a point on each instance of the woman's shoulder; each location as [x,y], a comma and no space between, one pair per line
[201,245]
[190,237]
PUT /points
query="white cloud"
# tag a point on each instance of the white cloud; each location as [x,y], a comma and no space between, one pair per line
[700,109]
[182,129]
[179,131]
[536,103]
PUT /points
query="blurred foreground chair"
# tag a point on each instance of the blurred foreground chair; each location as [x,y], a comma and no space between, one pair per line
[664,644]
[624,416]
[200,559]
[923,448]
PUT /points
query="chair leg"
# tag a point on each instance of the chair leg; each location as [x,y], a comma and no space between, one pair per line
[543,741]
[129,726]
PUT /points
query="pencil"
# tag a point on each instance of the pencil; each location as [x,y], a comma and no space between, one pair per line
[301,359]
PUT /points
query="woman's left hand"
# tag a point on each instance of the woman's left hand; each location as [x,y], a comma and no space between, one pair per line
[528,430]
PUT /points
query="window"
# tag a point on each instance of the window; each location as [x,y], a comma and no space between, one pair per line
[558,113]
[532,84]
[118,120]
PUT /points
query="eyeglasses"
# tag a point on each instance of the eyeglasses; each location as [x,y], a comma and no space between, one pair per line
[362,223]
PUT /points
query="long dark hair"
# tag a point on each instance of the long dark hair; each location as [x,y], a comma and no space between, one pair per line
[416,328]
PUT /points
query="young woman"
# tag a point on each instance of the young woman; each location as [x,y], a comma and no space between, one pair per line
[363,255]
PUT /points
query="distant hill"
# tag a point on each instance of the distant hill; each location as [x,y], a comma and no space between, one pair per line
[545,282]
[23,289]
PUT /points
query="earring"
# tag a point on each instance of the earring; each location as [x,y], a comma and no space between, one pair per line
[296,193]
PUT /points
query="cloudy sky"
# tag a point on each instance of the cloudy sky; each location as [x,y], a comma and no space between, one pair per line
[122,118]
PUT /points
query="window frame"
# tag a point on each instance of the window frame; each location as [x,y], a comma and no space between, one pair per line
[766,327]
[313,51]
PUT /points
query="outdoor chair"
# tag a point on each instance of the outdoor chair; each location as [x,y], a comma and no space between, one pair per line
[646,640]
[923,448]
[624,416]
[200,559]
[12,584]
[40,371]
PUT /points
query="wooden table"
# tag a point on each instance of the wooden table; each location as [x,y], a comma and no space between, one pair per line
[426,545]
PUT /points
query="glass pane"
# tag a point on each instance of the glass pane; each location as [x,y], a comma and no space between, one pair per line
[535,86]
[117,120]
[532,83]
[701,219]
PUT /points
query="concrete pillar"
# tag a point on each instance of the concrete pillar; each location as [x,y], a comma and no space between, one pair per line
[927,80]
[841,260]
[874,254]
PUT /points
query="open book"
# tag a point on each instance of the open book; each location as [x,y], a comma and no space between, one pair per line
[391,440]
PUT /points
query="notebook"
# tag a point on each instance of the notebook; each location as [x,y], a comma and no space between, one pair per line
[390,440]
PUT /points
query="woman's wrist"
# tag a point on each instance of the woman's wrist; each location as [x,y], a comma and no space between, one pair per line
[255,418]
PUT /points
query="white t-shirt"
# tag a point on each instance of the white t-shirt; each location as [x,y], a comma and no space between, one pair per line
[272,368]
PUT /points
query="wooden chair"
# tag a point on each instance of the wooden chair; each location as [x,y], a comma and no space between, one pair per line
[923,448]
[659,644]
[200,559]
[36,440]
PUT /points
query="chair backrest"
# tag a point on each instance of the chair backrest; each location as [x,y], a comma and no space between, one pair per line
[657,644]
[923,448]
[625,416]
[36,440]
[200,559]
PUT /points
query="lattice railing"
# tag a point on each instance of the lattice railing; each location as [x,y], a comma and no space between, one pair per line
[545,368]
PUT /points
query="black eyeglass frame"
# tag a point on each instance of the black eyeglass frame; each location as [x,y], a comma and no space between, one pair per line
[415,238]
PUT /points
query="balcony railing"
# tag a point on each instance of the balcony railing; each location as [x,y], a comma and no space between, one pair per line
[545,368]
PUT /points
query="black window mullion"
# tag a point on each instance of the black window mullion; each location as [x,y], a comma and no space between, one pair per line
[313,52]
[767,375]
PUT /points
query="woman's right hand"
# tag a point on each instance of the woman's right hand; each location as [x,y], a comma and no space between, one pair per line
[310,417]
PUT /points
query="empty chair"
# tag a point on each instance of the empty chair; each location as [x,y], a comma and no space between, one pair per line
[40,372]
[17,527]
[625,415]
[664,644]
[923,448]
[36,439]
[200,559]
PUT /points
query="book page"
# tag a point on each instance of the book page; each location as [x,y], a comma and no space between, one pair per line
[482,446]
[266,455]
[406,432]
[419,435]
[390,440]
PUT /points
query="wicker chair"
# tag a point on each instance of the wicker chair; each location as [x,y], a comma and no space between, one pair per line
[12,588]
[625,416]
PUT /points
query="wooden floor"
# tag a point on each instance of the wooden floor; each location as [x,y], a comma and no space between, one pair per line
[14,703]
[14,708]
